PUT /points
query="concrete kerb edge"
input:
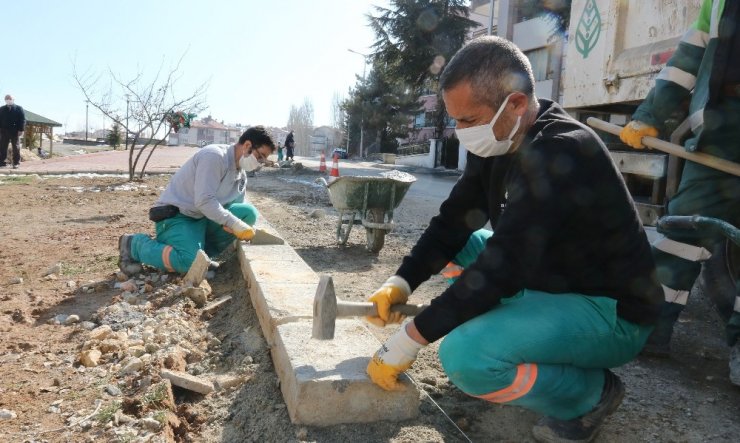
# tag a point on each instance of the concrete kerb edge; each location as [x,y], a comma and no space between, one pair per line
[328,373]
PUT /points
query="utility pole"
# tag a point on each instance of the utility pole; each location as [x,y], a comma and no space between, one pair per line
[87,107]
[490,19]
[362,117]
[128,98]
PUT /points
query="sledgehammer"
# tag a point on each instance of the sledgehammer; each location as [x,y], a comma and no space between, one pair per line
[326,309]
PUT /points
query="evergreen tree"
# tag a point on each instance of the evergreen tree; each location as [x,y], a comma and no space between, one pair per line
[415,39]
[382,105]
[114,136]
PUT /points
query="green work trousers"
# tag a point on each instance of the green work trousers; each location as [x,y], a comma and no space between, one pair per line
[544,352]
[180,237]
[707,192]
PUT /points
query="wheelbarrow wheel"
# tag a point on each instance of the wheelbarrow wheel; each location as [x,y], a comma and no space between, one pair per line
[375,237]
[344,226]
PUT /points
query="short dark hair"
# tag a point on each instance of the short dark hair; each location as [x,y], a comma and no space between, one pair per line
[259,136]
[495,67]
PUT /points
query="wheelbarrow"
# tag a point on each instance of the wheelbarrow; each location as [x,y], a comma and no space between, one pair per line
[369,201]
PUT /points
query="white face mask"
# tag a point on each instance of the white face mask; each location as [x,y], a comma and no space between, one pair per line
[8,102]
[481,141]
[249,163]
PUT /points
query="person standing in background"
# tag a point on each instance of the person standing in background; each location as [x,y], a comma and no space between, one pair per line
[289,146]
[12,124]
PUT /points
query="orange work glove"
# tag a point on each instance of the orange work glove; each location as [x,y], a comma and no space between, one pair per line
[396,355]
[394,291]
[241,230]
[634,131]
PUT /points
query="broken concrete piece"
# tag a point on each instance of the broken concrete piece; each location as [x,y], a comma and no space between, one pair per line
[59,319]
[198,269]
[16,281]
[199,294]
[127,286]
[90,358]
[71,319]
[101,332]
[7,414]
[132,365]
[112,390]
[215,305]
[187,381]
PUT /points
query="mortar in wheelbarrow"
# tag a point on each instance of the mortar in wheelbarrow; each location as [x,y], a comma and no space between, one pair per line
[369,200]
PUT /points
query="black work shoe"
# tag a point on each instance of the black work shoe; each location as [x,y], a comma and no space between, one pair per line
[583,429]
[15,166]
[126,264]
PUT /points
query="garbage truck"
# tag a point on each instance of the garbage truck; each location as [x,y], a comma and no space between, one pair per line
[615,50]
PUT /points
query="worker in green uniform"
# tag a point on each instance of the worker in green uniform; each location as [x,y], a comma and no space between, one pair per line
[563,289]
[707,62]
[202,207]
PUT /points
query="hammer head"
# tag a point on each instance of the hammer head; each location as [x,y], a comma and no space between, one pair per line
[324,310]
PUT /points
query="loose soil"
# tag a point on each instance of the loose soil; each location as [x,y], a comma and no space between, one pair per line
[76,220]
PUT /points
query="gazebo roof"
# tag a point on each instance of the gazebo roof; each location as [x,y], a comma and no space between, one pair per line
[39,119]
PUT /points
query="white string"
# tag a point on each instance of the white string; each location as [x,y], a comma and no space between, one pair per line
[418,386]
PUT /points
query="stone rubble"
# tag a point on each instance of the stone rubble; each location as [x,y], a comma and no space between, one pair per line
[6,414]
[146,338]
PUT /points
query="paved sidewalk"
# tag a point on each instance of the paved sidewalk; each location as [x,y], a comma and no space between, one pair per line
[165,160]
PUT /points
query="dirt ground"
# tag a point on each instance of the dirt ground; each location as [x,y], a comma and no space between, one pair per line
[46,394]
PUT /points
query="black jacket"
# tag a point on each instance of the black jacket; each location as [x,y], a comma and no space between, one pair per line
[12,118]
[563,221]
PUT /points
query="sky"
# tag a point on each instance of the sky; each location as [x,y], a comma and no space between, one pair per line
[258,58]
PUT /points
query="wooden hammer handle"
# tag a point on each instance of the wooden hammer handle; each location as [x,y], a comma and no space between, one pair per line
[651,142]
[363,309]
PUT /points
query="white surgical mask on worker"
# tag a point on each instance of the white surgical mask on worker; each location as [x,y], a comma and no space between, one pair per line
[249,163]
[481,141]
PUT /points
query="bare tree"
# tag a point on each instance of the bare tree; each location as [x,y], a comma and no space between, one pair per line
[301,122]
[153,101]
[337,113]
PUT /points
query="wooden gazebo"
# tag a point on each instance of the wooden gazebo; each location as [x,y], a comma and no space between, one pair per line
[38,124]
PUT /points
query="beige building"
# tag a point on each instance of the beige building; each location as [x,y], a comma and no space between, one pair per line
[205,132]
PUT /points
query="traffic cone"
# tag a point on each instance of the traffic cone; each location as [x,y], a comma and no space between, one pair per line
[322,164]
[335,166]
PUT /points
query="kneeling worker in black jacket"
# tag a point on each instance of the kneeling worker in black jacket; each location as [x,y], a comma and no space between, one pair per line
[564,289]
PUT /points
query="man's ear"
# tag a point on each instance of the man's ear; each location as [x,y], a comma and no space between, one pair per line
[520,102]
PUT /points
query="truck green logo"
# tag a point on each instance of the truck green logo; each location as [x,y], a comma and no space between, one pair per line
[589,28]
